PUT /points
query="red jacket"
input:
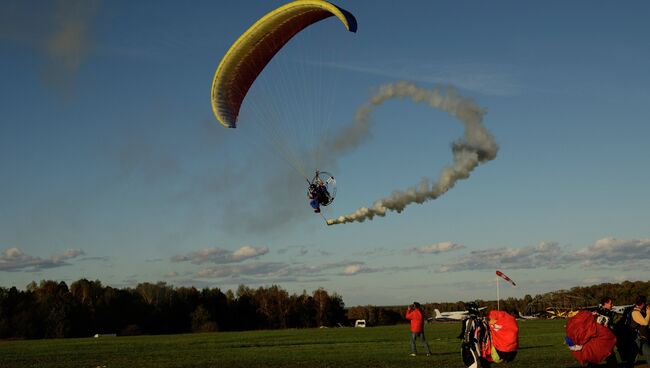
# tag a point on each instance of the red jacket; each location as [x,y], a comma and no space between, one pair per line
[417,322]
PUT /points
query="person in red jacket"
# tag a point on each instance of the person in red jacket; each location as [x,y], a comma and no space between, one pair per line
[414,314]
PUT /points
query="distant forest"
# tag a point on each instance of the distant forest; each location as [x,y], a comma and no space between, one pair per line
[53,310]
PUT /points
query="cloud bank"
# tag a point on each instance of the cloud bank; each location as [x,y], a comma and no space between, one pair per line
[548,254]
[233,265]
[14,259]
[435,248]
[613,252]
[221,256]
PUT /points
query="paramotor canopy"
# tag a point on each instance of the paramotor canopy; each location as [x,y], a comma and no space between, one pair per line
[250,54]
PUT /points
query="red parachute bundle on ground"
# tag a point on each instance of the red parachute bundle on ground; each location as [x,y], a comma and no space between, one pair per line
[597,340]
[505,332]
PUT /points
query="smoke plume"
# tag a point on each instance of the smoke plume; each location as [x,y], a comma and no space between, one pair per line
[60,32]
[475,147]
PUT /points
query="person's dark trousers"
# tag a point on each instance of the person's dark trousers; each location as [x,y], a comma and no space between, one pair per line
[611,361]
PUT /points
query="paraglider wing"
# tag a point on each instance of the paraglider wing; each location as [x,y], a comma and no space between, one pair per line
[248,56]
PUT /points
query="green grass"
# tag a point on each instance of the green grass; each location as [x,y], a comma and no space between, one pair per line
[541,345]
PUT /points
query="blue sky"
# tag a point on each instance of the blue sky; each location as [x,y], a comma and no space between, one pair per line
[114,168]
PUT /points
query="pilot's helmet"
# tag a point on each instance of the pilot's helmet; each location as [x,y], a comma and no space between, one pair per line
[472,308]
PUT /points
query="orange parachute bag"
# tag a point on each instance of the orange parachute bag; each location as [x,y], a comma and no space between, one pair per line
[504,333]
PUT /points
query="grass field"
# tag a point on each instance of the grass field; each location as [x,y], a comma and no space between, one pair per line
[541,345]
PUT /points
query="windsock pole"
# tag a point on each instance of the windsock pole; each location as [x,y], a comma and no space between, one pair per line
[498,306]
[500,274]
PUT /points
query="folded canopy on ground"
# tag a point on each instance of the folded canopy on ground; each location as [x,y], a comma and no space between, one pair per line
[597,340]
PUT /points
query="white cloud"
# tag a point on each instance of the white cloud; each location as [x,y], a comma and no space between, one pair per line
[357,269]
[13,259]
[435,248]
[545,254]
[352,269]
[260,269]
[283,271]
[68,254]
[606,252]
[267,270]
[221,256]
[610,251]
[303,269]
[247,251]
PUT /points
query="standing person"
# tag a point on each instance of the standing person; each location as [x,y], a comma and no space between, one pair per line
[605,316]
[626,338]
[640,320]
[414,314]
[604,313]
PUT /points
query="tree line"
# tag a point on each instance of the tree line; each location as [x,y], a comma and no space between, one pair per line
[580,296]
[51,309]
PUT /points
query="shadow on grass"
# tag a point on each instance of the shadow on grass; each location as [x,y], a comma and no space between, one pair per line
[444,354]
[303,343]
[535,347]
[639,363]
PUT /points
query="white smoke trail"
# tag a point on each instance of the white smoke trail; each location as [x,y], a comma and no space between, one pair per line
[476,146]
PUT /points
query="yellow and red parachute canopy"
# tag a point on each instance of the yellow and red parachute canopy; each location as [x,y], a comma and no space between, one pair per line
[253,50]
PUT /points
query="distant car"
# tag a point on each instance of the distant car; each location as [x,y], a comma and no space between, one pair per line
[360,323]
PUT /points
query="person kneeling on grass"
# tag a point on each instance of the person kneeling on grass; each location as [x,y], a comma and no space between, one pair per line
[414,314]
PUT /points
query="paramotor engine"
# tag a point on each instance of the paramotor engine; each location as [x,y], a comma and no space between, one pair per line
[327,180]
